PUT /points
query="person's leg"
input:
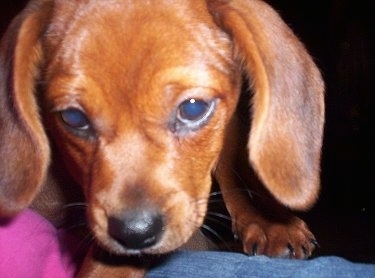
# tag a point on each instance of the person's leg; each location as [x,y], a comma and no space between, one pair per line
[225,264]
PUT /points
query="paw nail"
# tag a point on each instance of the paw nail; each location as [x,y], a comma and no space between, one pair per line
[305,251]
[255,250]
[291,250]
[315,243]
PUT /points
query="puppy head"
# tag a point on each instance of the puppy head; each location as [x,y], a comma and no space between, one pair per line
[137,95]
[138,107]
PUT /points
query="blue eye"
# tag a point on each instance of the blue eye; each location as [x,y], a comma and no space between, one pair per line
[191,115]
[193,110]
[75,119]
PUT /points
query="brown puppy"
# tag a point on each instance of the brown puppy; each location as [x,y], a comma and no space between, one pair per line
[139,98]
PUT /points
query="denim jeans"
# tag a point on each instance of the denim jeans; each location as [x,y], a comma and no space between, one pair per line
[209,264]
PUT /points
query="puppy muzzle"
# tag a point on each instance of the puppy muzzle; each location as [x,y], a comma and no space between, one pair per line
[137,229]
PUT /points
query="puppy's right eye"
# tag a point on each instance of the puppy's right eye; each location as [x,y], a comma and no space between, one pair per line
[77,123]
[75,119]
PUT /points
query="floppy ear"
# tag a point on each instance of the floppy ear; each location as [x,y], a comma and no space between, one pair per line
[288,102]
[24,149]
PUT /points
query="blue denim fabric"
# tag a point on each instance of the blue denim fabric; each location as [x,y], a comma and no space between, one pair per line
[209,264]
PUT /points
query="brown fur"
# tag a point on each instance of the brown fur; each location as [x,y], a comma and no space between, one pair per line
[128,65]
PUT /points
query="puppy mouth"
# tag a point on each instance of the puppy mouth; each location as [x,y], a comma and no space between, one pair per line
[136,230]
[146,230]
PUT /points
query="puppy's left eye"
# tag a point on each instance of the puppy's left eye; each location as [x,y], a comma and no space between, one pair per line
[192,114]
[193,110]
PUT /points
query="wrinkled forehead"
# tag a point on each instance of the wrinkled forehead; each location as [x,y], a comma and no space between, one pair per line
[139,32]
[133,54]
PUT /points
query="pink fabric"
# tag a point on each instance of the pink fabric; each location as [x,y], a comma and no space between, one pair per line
[31,247]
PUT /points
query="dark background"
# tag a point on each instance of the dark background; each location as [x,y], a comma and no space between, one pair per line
[340,35]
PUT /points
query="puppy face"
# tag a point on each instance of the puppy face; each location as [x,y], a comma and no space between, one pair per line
[137,105]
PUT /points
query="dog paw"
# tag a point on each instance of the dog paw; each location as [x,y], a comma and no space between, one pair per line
[283,240]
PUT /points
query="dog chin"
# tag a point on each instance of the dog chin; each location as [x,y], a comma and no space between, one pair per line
[114,247]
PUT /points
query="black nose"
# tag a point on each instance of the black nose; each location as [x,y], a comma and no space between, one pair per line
[136,229]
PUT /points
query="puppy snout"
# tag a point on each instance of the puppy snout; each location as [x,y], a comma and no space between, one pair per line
[137,229]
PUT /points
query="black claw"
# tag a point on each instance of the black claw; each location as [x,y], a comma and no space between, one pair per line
[305,251]
[254,252]
[315,243]
[291,250]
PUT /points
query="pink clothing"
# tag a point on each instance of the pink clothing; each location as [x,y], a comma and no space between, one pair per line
[30,247]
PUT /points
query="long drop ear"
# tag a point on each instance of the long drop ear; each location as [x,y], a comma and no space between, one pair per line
[24,150]
[288,102]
